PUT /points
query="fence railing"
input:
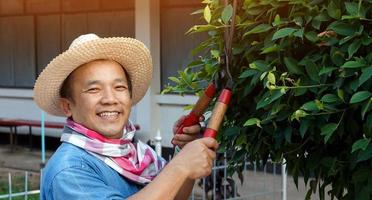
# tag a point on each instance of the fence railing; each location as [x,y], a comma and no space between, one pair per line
[26,193]
[257,183]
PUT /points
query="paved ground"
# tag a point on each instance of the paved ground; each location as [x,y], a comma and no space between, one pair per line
[259,185]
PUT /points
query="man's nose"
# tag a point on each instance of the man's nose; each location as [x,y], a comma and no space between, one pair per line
[108,97]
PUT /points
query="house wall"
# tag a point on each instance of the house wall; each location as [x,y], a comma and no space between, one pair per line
[47,27]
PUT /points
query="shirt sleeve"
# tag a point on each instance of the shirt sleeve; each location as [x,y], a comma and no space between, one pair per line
[77,183]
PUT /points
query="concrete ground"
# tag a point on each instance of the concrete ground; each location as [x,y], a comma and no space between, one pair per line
[256,185]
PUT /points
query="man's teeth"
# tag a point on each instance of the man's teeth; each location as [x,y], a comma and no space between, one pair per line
[108,114]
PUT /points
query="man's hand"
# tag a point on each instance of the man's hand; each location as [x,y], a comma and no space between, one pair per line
[196,158]
[190,133]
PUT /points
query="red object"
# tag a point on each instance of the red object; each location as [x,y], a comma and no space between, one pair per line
[210,133]
[210,90]
[199,108]
[225,96]
[218,113]
[189,120]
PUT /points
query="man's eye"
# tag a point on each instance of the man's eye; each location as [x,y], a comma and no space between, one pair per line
[121,87]
[93,90]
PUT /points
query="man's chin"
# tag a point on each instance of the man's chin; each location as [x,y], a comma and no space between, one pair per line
[112,134]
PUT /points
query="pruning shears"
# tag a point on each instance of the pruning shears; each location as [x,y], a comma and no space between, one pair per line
[223,100]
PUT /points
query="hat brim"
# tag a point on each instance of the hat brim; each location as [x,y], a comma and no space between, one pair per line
[130,53]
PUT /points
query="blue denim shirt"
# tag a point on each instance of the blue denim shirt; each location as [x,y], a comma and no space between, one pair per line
[73,173]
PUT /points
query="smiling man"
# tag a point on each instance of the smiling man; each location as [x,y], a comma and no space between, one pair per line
[94,84]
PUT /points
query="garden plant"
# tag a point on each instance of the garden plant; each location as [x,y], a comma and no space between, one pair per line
[302,88]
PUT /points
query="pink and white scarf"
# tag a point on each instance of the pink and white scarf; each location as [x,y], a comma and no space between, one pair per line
[137,162]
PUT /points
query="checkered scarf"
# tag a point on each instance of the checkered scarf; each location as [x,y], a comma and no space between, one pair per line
[137,162]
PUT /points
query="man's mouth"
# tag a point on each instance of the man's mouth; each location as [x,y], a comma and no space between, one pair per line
[109,114]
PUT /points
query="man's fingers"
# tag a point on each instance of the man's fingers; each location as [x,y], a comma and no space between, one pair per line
[212,154]
[211,143]
[194,129]
[184,137]
[201,118]
[180,144]
[178,123]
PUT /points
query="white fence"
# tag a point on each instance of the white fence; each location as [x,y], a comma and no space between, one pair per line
[26,193]
[257,184]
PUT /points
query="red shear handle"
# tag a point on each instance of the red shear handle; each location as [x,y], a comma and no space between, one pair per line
[218,114]
[199,108]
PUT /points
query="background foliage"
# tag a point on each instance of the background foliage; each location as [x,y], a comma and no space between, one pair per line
[302,88]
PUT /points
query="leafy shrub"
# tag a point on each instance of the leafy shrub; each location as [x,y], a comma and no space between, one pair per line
[302,88]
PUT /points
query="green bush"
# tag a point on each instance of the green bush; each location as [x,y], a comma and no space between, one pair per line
[302,88]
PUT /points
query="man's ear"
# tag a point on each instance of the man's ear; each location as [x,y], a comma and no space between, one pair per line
[65,106]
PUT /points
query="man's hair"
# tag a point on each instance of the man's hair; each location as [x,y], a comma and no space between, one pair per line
[66,89]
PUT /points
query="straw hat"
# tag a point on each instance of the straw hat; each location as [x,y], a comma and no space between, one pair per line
[130,53]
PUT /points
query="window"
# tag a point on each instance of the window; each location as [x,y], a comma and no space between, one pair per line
[175,21]
[32,32]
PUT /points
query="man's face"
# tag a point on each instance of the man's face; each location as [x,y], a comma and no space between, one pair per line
[100,98]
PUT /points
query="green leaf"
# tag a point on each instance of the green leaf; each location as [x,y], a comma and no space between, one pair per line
[195,63]
[271,78]
[292,66]
[366,40]
[352,8]
[207,14]
[277,20]
[365,108]
[231,131]
[199,11]
[328,130]
[298,21]
[215,53]
[312,70]
[284,32]
[299,33]
[259,65]
[305,124]
[227,13]
[270,49]
[310,106]
[174,79]
[341,94]
[329,98]
[268,98]
[366,154]
[326,70]
[353,64]
[253,121]
[337,56]
[334,11]
[354,47]
[365,76]
[298,114]
[360,96]
[258,29]
[361,144]
[311,36]
[342,28]
[346,39]
[201,28]
[248,73]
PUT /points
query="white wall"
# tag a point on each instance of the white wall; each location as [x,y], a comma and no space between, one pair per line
[152,113]
[18,103]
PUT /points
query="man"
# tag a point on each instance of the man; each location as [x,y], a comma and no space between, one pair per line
[94,84]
